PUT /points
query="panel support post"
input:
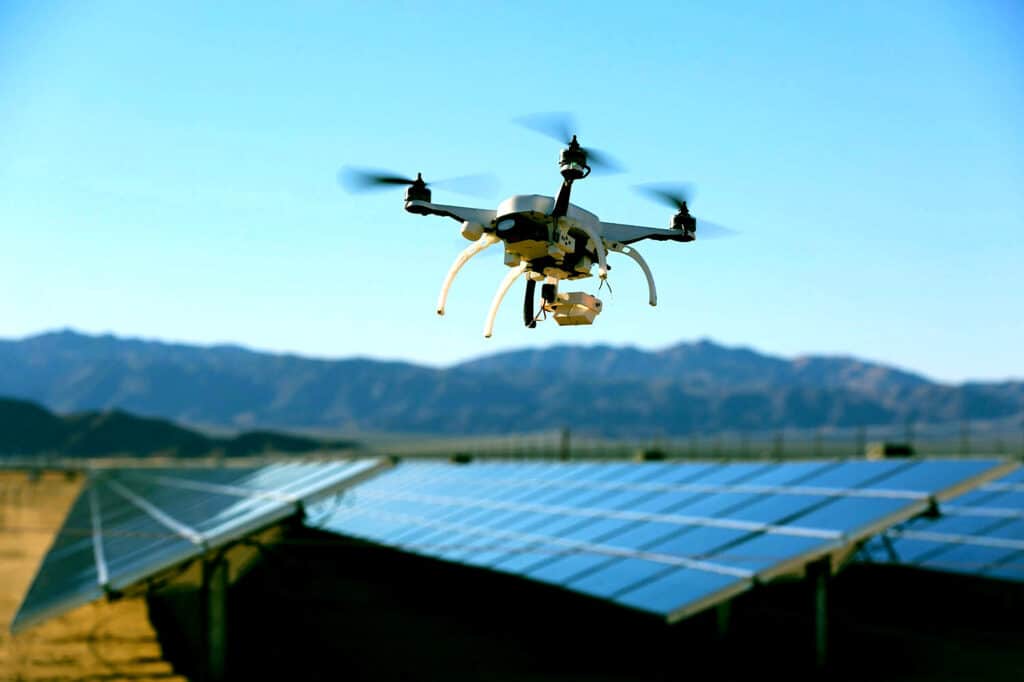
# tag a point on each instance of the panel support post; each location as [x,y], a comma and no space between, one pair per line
[215,613]
[723,617]
[818,576]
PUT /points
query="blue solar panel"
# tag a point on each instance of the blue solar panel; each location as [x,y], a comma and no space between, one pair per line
[980,532]
[698,542]
[855,473]
[660,537]
[682,585]
[763,551]
[618,576]
[851,514]
[562,569]
[927,476]
[128,525]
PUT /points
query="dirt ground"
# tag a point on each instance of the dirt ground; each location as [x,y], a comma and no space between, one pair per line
[99,641]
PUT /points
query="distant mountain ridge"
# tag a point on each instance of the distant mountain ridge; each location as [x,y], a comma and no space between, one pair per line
[689,387]
[27,429]
[703,363]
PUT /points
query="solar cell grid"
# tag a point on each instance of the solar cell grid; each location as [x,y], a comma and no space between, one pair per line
[618,576]
[683,586]
[610,530]
[562,569]
[980,532]
[128,525]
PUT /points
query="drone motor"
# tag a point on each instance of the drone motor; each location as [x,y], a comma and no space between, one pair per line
[417,190]
[572,162]
[686,223]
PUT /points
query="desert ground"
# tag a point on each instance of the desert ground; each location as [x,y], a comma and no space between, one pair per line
[99,641]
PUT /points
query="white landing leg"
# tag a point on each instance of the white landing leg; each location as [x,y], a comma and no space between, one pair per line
[652,293]
[503,288]
[470,251]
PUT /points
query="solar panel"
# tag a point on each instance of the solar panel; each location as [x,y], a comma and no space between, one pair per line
[129,525]
[978,533]
[667,538]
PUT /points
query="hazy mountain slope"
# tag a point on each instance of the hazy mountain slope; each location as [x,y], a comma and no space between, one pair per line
[28,429]
[617,391]
[703,364]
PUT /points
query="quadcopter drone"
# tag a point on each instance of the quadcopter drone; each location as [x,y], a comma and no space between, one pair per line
[547,239]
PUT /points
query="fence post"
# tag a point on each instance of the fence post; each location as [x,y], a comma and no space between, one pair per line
[564,444]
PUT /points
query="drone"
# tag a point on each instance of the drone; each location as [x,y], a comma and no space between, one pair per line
[547,240]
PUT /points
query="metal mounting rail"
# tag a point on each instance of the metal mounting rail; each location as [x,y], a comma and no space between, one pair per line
[680,519]
[102,574]
[161,517]
[218,488]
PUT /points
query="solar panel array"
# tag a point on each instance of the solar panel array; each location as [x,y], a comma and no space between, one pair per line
[128,525]
[978,533]
[666,538]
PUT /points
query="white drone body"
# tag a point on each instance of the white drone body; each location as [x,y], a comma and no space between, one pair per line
[546,248]
[547,239]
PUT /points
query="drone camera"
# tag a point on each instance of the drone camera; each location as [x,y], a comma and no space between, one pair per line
[575,308]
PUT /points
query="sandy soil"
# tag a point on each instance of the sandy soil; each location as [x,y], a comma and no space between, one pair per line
[99,641]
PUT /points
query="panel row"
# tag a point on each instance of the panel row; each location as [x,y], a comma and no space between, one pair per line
[127,525]
[978,533]
[664,538]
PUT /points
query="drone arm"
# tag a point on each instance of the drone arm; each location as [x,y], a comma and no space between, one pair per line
[627,234]
[602,257]
[467,253]
[652,292]
[503,288]
[464,214]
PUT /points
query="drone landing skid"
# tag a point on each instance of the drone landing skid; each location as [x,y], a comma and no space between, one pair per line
[568,309]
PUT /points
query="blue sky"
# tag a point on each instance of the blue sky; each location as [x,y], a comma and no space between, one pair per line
[167,170]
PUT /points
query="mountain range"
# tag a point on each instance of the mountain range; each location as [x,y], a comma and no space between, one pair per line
[690,387]
[27,429]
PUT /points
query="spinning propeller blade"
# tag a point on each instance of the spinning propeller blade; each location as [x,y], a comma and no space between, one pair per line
[708,230]
[368,180]
[678,196]
[558,125]
[478,184]
[674,196]
[602,162]
[561,126]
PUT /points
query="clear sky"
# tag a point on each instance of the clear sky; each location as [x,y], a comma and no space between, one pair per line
[168,170]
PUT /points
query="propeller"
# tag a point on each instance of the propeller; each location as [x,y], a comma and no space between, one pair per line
[561,126]
[367,180]
[678,196]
